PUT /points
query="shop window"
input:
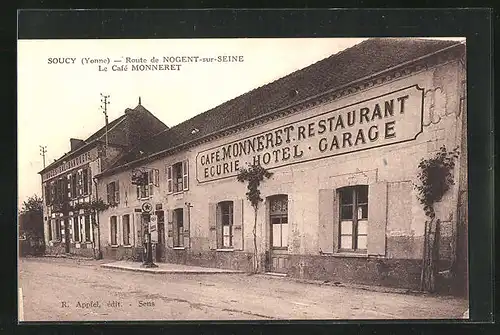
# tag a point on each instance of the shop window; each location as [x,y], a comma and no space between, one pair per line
[113,230]
[278,214]
[126,229]
[178,177]
[113,193]
[87,227]
[353,218]
[225,219]
[178,227]
[76,229]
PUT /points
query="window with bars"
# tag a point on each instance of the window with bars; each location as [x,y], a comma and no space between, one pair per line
[225,224]
[178,177]
[278,212]
[353,218]
[113,226]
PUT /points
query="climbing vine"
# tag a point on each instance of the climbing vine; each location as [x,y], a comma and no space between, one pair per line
[254,175]
[436,178]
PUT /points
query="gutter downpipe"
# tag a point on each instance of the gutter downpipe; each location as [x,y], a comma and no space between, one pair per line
[99,253]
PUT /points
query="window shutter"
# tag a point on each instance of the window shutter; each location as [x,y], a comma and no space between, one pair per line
[89,171]
[170,228]
[169,179]
[137,230]
[138,191]
[108,192]
[212,221]
[238,225]
[117,192]
[377,218]
[187,226]
[185,175]
[327,224]
[157,177]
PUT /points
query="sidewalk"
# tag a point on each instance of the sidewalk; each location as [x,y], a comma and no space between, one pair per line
[165,268]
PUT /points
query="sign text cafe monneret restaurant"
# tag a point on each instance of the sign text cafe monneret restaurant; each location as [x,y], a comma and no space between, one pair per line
[343,139]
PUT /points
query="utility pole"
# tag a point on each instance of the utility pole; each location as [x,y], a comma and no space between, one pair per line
[43,151]
[104,106]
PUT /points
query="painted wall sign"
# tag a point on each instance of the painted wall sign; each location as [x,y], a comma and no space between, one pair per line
[72,163]
[391,118]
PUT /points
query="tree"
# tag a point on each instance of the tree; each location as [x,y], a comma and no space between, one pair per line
[31,217]
[254,175]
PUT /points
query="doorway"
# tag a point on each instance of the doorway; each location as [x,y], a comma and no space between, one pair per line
[66,235]
[278,244]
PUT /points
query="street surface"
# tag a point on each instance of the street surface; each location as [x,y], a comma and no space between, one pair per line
[56,289]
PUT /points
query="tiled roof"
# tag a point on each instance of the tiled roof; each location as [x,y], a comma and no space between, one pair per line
[362,60]
[133,126]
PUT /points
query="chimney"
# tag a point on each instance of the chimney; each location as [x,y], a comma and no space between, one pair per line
[76,143]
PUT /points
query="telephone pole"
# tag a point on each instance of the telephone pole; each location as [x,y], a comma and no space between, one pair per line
[104,106]
[43,151]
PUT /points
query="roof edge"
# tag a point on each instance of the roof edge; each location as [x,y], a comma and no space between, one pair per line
[342,88]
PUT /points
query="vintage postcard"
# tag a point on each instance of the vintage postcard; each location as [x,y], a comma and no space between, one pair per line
[242,179]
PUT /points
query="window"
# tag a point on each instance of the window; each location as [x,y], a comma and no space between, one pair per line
[225,220]
[87,229]
[152,177]
[178,227]
[113,193]
[85,174]
[76,229]
[353,218]
[126,229]
[278,210]
[178,177]
[73,186]
[113,230]
[56,229]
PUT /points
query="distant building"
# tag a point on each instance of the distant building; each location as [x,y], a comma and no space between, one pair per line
[68,183]
[343,138]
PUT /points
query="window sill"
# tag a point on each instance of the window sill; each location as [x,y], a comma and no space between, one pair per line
[225,250]
[114,245]
[179,248]
[127,246]
[346,254]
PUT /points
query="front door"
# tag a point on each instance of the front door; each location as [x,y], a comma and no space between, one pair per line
[278,219]
[66,235]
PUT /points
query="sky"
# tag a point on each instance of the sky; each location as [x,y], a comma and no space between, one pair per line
[57,102]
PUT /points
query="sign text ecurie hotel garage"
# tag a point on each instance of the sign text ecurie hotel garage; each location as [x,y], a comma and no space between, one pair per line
[387,119]
[68,165]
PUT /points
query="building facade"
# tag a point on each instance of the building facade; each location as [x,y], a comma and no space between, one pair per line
[343,139]
[69,186]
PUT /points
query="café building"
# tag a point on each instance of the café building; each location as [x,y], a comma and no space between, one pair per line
[342,139]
